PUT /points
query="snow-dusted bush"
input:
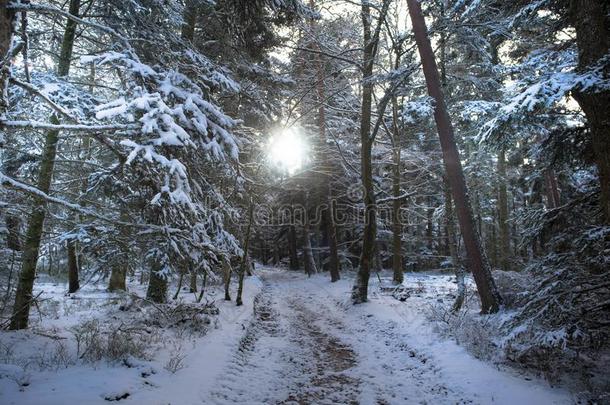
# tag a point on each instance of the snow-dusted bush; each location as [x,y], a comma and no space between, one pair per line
[555,318]
[514,286]
[56,357]
[176,359]
[96,342]
[478,334]
[193,319]
[180,318]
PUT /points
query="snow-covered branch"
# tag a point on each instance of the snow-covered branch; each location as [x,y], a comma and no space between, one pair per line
[68,127]
[31,190]
[54,10]
[38,93]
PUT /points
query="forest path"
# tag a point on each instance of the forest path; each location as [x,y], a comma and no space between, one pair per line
[305,346]
[296,340]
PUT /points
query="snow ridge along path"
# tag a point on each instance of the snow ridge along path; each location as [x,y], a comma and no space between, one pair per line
[307,345]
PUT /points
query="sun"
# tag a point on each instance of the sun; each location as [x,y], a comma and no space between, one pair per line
[288,150]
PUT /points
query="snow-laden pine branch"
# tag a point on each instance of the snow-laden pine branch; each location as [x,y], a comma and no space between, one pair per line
[68,127]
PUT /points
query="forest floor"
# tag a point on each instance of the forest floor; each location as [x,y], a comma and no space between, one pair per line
[297,340]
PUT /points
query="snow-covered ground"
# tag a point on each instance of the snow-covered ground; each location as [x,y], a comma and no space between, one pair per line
[296,340]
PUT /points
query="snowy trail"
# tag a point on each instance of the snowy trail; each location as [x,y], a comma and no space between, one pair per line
[296,340]
[286,357]
[306,345]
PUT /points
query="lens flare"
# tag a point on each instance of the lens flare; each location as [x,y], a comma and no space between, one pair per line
[288,150]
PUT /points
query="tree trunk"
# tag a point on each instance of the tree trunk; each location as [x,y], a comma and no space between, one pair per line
[13,223]
[193,281]
[492,242]
[477,261]
[360,289]
[10,167]
[397,267]
[503,225]
[7,29]
[276,254]
[179,287]
[74,260]
[308,259]
[552,190]
[118,273]
[591,19]
[243,268]
[264,252]
[453,250]
[73,283]
[203,284]
[117,278]
[226,268]
[429,225]
[331,230]
[23,297]
[157,284]
[292,247]
[190,20]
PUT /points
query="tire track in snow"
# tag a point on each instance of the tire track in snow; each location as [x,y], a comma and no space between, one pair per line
[285,357]
[238,384]
[329,380]
[391,371]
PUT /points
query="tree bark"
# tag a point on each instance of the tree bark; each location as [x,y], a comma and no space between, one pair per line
[397,267]
[13,223]
[157,284]
[226,268]
[453,250]
[591,19]
[292,247]
[477,261]
[552,190]
[23,297]
[503,225]
[179,287]
[190,20]
[118,272]
[308,259]
[244,260]
[331,230]
[429,224]
[193,281]
[117,278]
[360,289]
[10,167]
[203,284]
[7,29]
[73,283]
